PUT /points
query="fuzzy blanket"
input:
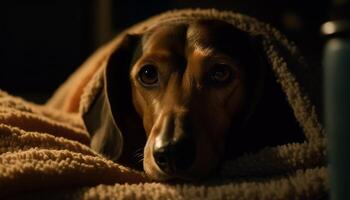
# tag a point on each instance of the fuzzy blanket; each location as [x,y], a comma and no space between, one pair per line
[45,153]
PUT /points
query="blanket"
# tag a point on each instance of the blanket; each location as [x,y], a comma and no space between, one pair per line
[45,152]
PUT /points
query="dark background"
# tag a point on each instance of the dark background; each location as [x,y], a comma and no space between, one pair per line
[42,42]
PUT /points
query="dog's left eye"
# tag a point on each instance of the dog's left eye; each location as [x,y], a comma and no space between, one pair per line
[148,75]
[220,74]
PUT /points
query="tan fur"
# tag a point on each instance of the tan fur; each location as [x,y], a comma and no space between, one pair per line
[183,95]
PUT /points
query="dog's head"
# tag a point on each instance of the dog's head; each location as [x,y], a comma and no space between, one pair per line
[191,86]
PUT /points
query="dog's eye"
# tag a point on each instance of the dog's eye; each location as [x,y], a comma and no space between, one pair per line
[220,74]
[148,75]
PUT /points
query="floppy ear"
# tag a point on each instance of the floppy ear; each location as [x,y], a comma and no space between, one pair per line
[116,129]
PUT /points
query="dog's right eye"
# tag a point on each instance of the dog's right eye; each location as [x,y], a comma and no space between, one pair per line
[220,74]
[148,75]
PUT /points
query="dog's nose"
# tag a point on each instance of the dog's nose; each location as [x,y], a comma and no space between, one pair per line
[175,156]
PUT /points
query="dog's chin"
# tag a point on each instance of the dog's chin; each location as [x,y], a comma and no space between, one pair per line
[192,175]
[154,173]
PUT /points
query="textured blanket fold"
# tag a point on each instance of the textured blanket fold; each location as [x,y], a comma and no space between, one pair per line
[45,153]
[42,148]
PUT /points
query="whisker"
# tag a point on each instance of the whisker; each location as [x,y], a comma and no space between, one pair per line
[139,150]
[138,155]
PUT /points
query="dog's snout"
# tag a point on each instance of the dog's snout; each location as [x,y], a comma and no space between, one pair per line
[174,157]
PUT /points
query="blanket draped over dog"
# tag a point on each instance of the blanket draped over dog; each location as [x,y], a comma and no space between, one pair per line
[44,149]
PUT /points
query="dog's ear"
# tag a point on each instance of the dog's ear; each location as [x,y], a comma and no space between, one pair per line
[120,98]
[116,129]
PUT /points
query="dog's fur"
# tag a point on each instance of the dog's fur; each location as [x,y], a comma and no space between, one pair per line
[185,103]
[190,98]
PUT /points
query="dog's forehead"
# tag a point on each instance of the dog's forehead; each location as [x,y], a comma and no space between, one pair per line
[205,30]
[164,37]
[218,35]
[203,34]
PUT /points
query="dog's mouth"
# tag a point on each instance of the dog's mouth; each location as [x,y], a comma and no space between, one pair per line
[178,161]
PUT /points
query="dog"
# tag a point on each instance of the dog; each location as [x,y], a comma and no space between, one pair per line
[188,86]
[190,90]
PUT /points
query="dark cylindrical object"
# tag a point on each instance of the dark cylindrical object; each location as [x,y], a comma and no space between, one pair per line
[337,108]
[337,97]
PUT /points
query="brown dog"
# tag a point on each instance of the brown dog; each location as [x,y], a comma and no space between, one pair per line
[192,87]
[189,85]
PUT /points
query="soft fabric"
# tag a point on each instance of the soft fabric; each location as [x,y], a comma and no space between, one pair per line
[44,150]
